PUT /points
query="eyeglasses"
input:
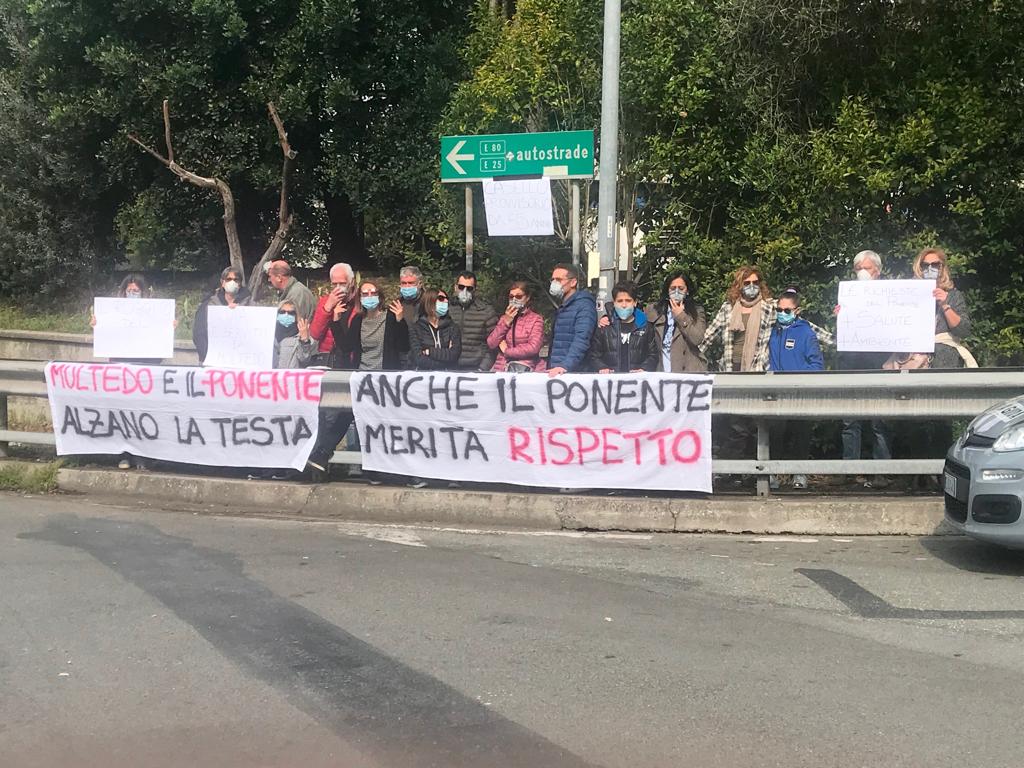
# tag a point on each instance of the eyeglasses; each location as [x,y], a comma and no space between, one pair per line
[519,296]
[442,297]
[931,264]
[751,282]
[462,287]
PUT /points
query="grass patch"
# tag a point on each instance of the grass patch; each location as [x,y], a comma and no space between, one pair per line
[29,478]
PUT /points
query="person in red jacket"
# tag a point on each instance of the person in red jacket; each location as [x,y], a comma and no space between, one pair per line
[332,306]
[519,334]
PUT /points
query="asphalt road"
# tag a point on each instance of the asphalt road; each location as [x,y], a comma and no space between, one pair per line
[136,637]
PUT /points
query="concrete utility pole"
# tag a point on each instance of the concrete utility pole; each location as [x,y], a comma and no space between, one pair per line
[607,189]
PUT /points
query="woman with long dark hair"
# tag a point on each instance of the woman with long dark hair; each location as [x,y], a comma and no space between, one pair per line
[679,324]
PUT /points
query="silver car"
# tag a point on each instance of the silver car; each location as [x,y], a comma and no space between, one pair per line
[984,476]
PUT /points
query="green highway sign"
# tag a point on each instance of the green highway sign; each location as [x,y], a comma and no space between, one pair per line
[556,155]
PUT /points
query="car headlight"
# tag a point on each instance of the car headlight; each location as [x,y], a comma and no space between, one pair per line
[1011,440]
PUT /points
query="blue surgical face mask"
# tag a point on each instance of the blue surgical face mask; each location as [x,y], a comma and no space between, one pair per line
[624,313]
[441,307]
[370,302]
[785,318]
[285,320]
[409,291]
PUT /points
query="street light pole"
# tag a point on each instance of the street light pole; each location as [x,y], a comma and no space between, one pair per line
[607,187]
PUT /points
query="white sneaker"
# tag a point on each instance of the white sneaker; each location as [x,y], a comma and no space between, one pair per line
[124,464]
[800,482]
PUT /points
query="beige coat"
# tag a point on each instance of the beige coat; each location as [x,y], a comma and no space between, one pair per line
[686,335]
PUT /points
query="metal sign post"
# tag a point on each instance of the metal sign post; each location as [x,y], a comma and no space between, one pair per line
[607,226]
[469,228]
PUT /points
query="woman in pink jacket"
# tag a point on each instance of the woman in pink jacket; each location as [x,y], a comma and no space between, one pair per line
[519,334]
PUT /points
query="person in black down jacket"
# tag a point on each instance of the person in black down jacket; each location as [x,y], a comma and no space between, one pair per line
[476,319]
[435,342]
[628,342]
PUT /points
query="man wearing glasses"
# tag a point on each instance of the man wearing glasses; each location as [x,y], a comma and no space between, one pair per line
[475,319]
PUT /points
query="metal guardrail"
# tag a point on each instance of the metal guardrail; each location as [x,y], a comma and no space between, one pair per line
[764,397]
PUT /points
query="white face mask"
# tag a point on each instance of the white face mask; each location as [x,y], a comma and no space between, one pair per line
[556,289]
[517,303]
[930,273]
[751,291]
[677,295]
[863,274]
[231,286]
[464,296]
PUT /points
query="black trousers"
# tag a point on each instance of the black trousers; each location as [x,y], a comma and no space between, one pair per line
[334,423]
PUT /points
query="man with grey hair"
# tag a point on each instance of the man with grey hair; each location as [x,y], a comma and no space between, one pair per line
[410,286]
[291,290]
[867,265]
[340,301]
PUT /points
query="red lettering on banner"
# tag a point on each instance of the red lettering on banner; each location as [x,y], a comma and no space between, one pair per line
[576,443]
[518,440]
[693,457]
[609,446]
[595,443]
[263,385]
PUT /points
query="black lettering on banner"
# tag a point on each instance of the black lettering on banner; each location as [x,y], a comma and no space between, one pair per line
[501,393]
[374,433]
[405,394]
[442,390]
[239,426]
[576,387]
[554,384]
[648,393]
[190,385]
[386,390]
[450,431]
[416,436]
[169,376]
[629,394]
[698,391]
[256,426]
[148,426]
[473,444]
[396,437]
[603,398]
[222,422]
[366,388]
[71,417]
[279,422]
[302,430]
[461,393]
[191,431]
[516,407]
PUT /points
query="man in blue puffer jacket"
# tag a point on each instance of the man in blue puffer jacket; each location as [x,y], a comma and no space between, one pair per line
[793,346]
[574,324]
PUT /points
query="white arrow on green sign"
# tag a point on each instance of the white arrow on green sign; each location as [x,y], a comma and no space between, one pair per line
[555,155]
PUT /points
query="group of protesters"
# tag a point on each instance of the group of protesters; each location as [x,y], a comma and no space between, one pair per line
[356,326]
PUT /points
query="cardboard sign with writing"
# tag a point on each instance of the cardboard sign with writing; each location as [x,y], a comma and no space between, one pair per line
[518,207]
[647,430]
[241,337]
[886,316]
[137,328]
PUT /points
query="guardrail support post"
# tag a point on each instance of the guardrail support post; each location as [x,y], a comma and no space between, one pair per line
[763,436]
[3,424]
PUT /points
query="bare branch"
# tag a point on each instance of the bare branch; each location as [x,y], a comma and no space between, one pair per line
[153,152]
[167,132]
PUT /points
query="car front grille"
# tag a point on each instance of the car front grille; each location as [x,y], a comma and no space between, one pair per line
[978,441]
[996,509]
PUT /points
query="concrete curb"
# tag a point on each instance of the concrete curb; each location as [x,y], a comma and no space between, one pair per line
[819,516]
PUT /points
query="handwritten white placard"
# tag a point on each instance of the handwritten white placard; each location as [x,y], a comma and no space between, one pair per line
[241,337]
[518,207]
[886,316]
[133,328]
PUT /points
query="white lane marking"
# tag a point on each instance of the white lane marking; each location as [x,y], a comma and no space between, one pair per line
[844,541]
[787,539]
[405,538]
[724,557]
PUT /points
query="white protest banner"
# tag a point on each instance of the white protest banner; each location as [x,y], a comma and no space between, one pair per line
[519,207]
[241,337]
[138,328]
[212,416]
[647,430]
[886,316]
